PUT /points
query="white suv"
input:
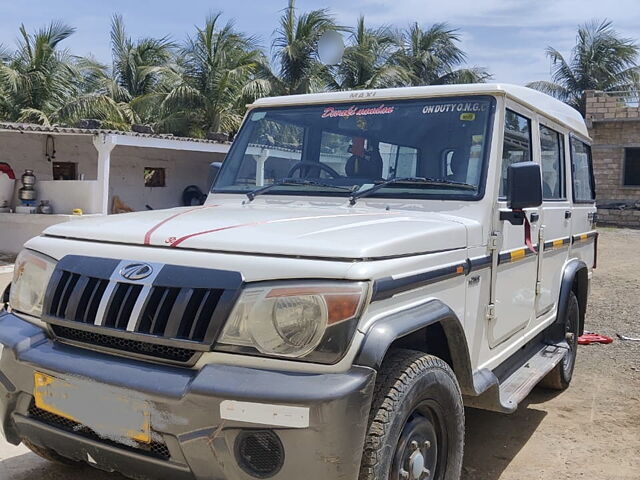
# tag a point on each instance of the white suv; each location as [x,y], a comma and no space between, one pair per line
[367,263]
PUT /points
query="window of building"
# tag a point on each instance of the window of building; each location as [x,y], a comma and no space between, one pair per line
[552,149]
[517,144]
[154,177]
[65,171]
[632,167]
[582,171]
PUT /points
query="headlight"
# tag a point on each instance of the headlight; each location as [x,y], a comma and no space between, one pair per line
[31,275]
[315,320]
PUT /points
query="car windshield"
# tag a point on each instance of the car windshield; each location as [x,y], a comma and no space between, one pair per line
[441,141]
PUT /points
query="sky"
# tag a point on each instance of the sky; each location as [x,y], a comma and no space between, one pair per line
[508,37]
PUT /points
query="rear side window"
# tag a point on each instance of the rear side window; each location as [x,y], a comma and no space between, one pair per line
[552,149]
[582,172]
[517,144]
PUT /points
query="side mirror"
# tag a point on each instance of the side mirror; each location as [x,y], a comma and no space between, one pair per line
[524,185]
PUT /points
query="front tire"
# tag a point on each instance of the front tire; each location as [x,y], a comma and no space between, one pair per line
[560,377]
[416,425]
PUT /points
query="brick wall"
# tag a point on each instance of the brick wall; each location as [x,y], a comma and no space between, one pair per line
[602,105]
[613,125]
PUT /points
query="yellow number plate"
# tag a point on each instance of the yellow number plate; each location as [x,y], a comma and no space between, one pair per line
[111,414]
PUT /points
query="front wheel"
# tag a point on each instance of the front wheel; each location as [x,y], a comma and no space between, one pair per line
[416,425]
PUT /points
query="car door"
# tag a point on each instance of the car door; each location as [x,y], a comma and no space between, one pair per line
[555,217]
[583,209]
[515,277]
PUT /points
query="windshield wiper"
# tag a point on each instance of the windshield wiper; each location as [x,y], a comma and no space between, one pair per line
[295,182]
[432,182]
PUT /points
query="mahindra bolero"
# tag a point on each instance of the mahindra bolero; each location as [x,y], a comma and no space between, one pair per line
[366,264]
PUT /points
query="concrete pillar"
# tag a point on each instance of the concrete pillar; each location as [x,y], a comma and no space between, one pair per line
[104,143]
[260,161]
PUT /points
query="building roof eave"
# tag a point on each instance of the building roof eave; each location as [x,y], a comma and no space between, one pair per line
[132,139]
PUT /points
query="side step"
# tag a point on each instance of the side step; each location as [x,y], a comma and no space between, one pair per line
[517,386]
[505,395]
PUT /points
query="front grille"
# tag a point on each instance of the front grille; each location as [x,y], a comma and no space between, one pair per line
[171,312]
[184,304]
[155,448]
[164,352]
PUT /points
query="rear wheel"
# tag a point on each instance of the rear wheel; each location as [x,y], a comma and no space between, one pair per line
[416,426]
[560,377]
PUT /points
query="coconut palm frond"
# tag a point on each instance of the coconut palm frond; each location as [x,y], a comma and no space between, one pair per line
[433,56]
[464,75]
[32,115]
[101,107]
[295,46]
[600,60]
[39,76]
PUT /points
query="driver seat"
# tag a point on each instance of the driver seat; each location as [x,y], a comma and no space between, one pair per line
[362,167]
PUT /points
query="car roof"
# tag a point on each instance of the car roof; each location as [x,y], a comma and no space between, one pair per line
[535,100]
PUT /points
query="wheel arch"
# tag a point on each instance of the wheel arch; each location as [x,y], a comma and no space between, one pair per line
[431,327]
[575,278]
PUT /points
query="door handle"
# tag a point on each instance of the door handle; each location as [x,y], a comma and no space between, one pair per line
[567,214]
[534,217]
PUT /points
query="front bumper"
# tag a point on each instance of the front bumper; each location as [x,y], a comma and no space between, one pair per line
[186,415]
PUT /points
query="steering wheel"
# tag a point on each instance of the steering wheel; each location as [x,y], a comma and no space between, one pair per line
[321,166]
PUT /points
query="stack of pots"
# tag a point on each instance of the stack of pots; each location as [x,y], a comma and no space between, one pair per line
[27,194]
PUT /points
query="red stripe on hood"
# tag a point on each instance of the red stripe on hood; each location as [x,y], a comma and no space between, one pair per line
[177,242]
[147,236]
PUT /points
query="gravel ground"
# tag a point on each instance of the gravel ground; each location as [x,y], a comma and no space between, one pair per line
[591,431]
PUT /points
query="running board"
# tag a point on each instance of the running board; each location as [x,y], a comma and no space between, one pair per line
[504,396]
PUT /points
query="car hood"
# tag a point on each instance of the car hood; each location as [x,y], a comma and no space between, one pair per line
[304,230]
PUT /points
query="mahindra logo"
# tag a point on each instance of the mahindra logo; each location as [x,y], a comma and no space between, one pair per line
[136,271]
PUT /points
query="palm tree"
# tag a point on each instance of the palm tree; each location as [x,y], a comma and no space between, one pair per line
[138,66]
[433,57]
[212,82]
[365,63]
[115,94]
[38,78]
[600,60]
[295,47]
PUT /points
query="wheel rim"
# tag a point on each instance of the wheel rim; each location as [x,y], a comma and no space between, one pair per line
[571,337]
[420,446]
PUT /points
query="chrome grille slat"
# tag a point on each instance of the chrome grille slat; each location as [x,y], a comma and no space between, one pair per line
[75,296]
[85,300]
[104,303]
[176,315]
[66,294]
[59,279]
[140,304]
[94,302]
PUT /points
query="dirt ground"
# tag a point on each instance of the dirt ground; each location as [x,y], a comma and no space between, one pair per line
[591,431]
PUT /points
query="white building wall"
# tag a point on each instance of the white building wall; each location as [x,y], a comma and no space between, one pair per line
[182,169]
[27,150]
[17,228]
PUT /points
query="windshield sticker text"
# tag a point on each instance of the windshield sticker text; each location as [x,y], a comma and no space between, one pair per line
[455,107]
[332,112]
